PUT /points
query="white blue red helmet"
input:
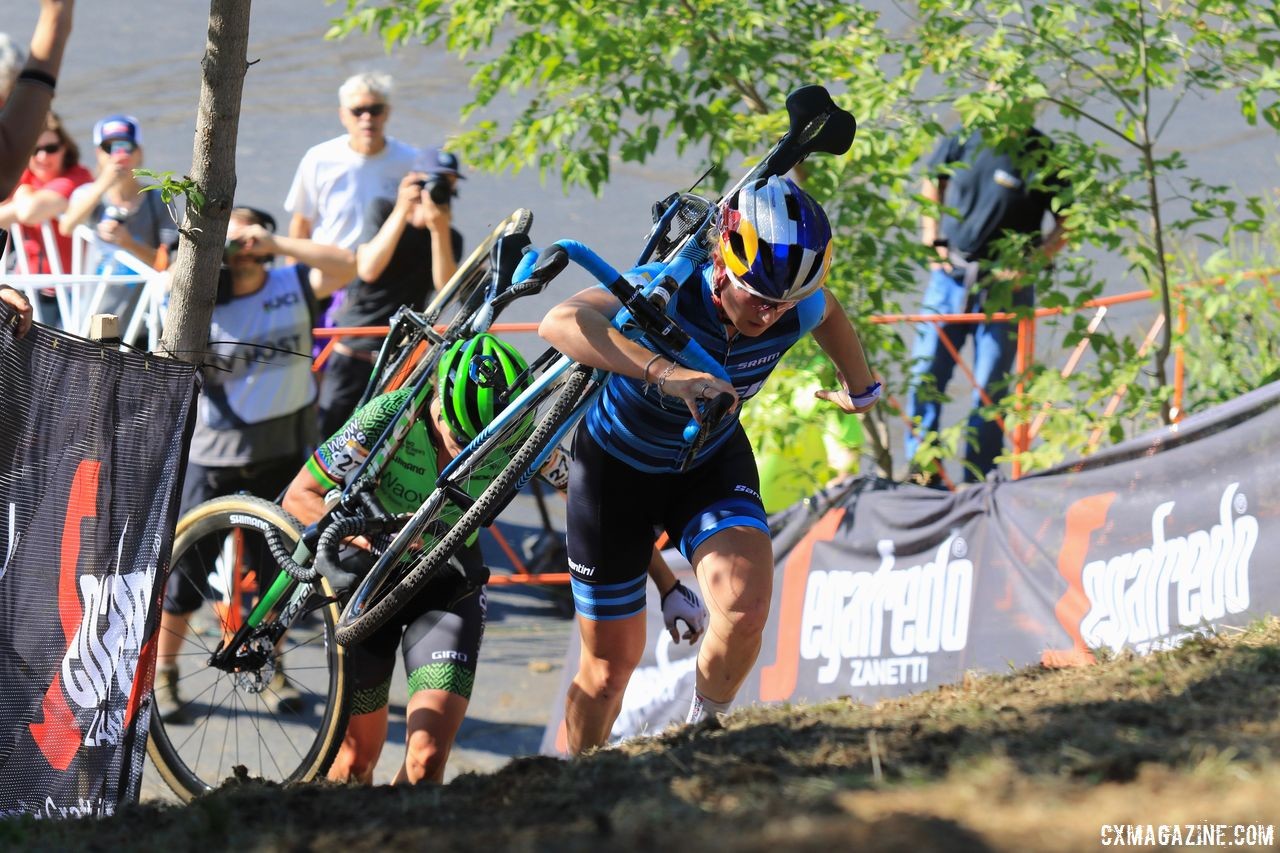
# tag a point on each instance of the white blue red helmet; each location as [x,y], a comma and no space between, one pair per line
[775,240]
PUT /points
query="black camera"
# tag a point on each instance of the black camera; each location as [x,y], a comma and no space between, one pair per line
[438,189]
[116,214]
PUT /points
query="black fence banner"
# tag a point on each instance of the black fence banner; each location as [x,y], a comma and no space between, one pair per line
[92,447]
[894,588]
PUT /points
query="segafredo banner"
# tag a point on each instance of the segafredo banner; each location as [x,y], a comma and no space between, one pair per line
[893,589]
[92,443]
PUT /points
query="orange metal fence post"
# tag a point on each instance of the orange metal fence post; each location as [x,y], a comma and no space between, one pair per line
[1179,358]
[1025,356]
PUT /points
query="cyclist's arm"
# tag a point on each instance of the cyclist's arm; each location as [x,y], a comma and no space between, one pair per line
[305,495]
[300,227]
[660,573]
[305,498]
[838,339]
[581,328]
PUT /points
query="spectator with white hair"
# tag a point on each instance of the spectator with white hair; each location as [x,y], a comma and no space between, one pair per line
[337,180]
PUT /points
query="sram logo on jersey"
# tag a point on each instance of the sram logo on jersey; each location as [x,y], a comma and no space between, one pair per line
[1144,598]
[922,610]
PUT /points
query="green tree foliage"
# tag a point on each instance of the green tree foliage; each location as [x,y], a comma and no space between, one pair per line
[596,82]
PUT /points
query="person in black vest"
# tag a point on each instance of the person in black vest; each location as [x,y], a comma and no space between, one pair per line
[998,190]
[255,418]
[408,250]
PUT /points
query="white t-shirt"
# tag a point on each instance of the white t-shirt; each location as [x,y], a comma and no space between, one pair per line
[334,185]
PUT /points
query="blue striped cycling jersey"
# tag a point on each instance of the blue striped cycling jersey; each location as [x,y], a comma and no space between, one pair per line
[643,427]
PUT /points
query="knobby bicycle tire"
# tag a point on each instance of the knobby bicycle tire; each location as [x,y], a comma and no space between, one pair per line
[466,297]
[192,758]
[354,627]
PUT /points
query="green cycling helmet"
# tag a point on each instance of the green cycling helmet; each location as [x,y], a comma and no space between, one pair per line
[476,379]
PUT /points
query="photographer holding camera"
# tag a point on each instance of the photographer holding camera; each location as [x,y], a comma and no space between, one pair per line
[409,248]
[115,206]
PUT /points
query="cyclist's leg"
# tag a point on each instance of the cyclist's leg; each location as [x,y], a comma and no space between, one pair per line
[610,541]
[441,650]
[371,665]
[724,534]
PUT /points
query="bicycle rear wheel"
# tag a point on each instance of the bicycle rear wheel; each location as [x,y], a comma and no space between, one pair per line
[236,718]
[504,463]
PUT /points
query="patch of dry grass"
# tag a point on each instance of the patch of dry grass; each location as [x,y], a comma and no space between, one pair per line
[1034,760]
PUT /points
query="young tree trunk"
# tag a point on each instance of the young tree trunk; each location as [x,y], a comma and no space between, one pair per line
[213,162]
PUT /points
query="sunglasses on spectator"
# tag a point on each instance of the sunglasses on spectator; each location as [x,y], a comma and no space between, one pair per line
[114,145]
[51,148]
[374,110]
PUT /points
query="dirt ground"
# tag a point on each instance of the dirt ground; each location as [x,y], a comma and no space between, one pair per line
[1033,760]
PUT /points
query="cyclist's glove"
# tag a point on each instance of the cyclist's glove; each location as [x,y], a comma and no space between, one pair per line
[344,573]
[682,604]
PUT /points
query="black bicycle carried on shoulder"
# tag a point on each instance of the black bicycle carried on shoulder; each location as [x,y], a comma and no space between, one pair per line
[240,658]
[513,448]
[264,610]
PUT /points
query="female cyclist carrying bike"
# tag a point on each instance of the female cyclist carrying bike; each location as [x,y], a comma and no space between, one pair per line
[440,629]
[760,293]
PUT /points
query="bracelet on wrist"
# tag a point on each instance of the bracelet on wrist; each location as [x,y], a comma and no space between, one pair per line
[644,377]
[40,78]
[662,377]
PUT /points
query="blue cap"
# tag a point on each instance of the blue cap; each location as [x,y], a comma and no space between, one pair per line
[437,161]
[117,127]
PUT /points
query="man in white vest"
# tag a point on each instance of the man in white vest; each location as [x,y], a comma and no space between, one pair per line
[255,418]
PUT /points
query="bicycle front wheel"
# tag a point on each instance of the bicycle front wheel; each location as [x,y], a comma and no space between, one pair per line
[504,463]
[282,710]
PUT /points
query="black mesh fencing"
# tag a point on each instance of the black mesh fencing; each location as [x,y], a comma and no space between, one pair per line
[92,447]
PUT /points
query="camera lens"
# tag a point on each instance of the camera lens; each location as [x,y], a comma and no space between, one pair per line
[438,189]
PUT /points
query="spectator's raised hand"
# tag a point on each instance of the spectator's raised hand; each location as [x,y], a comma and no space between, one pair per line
[18,301]
[409,195]
[436,217]
[110,231]
[258,241]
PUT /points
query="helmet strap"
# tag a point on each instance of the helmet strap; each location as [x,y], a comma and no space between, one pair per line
[718,280]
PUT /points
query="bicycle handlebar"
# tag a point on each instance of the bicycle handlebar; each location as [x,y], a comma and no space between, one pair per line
[638,309]
[695,434]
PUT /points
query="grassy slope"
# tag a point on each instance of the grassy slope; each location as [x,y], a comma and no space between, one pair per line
[1036,760]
